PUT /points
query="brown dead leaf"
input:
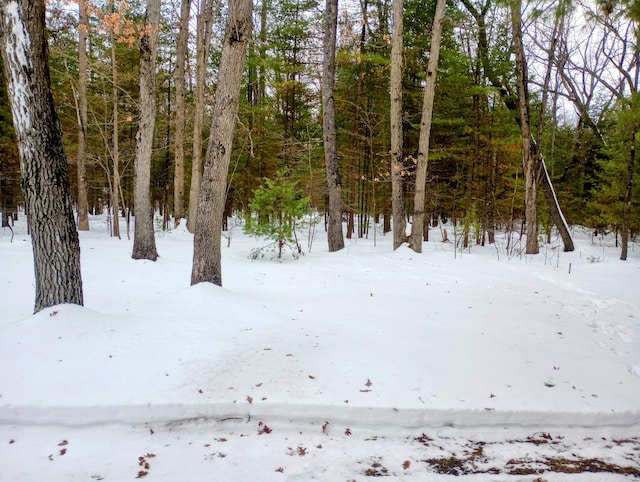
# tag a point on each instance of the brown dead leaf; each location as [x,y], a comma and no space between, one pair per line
[406,464]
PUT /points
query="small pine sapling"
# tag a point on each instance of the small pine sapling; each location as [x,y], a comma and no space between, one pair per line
[277,210]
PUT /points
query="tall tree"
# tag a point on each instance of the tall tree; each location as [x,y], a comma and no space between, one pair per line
[203,42]
[207,266]
[45,178]
[115,147]
[501,83]
[144,243]
[180,79]
[334,188]
[83,205]
[417,228]
[397,157]
[529,160]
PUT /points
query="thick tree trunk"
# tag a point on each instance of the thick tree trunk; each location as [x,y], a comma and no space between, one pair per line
[180,79]
[397,157]
[144,242]
[83,204]
[417,228]
[45,178]
[207,266]
[203,43]
[334,187]
[529,160]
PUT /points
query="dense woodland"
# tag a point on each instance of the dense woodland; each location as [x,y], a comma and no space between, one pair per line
[582,61]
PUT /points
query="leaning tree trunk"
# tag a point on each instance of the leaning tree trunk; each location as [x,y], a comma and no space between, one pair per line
[417,228]
[43,162]
[181,55]
[397,158]
[529,160]
[334,188]
[83,204]
[144,242]
[207,266]
[508,99]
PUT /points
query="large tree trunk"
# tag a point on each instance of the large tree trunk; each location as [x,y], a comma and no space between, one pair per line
[529,160]
[43,162]
[144,242]
[180,79]
[203,43]
[334,187]
[397,157]
[417,228]
[83,204]
[206,242]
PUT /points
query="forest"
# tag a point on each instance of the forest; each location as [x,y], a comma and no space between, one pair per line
[577,82]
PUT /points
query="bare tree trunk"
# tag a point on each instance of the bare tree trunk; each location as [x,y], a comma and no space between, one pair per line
[529,160]
[115,155]
[207,266]
[545,178]
[83,208]
[203,43]
[334,187]
[397,156]
[43,162]
[628,192]
[417,228]
[144,242]
[180,78]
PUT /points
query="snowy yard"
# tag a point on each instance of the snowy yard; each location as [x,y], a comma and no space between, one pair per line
[483,365]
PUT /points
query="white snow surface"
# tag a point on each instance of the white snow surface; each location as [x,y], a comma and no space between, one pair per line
[355,361]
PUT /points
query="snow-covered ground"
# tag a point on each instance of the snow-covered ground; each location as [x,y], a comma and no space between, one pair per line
[483,364]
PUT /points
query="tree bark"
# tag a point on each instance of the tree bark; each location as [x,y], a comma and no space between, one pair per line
[115,155]
[144,242]
[529,160]
[417,228]
[83,204]
[180,80]
[628,192]
[203,44]
[207,266]
[397,156]
[45,177]
[334,186]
